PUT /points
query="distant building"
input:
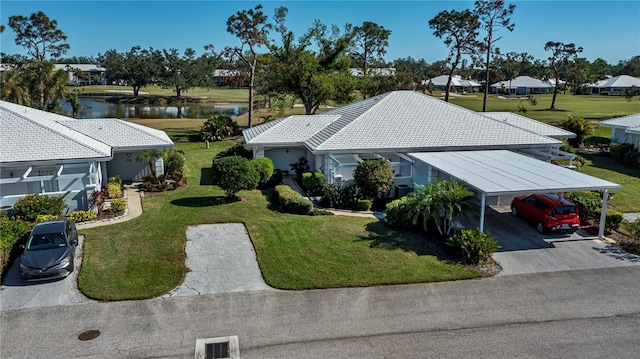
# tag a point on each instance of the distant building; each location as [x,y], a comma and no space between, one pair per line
[458,84]
[230,77]
[78,74]
[374,71]
[618,85]
[522,85]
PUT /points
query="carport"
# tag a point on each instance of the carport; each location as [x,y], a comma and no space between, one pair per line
[495,173]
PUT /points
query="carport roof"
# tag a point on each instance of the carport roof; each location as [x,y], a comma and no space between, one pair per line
[502,172]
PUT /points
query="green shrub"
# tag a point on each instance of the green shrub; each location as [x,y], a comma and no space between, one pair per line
[619,150]
[117,205]
[634,229]
[631,158]
[264,166]
[114,190]
[374,177]
[292,201]
[472,245]
[30,206]
[82,216]
[234,174]
[350,195]
[218,127]
[312,182]
[612,221]
[599,142]
[11,231]
[588,204]
[299,167]
[115,179]
[363,205]
[45,217]
[237,150]
[321,212]
[399,212]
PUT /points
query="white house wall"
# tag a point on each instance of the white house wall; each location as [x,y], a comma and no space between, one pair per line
[283,157]
[125,165]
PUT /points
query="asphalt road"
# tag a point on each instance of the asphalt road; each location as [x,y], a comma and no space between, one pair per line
[566,314]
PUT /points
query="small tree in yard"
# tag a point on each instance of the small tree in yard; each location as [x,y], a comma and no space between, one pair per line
[150,157]
[374,177]
[217,128]
[234,174]
[578,125]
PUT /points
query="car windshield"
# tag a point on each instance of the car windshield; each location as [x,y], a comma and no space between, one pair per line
[46,241]
[564,210]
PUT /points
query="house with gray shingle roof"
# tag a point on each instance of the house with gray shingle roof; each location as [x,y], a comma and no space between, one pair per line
[625,129]
[43,152]
[522,85]
[390,126]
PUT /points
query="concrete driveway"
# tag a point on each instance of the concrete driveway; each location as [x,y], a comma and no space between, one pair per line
[16,294]
[524,250]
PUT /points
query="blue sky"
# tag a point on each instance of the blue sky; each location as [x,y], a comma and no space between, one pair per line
[605,29]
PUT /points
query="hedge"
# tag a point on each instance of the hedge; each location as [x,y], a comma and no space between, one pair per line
[292,201]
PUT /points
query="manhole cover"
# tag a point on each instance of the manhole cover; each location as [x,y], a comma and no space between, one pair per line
[89,335]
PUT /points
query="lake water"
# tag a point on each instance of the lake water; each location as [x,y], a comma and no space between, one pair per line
[99,108]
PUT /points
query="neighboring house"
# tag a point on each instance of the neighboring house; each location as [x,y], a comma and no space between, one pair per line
[43,152]
[230,77]
[423,138]
[83,74]
[458,84]
[625,129]
[374,71]
[618,85]
[78,74]
[522,85]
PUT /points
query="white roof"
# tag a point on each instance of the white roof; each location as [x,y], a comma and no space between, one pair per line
[411,121]
[529,124]
[395,121]
[622,81]
[378,71]
[27,138]
[504,172]
[289,130]
[456,80]
[121,134]
[81,67]
[622,122]
[522,81]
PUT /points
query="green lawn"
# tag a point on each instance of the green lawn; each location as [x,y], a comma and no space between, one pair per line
[221,94]
[144,257]
[628,198]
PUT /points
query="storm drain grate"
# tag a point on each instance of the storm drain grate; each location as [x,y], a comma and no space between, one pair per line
[217,348]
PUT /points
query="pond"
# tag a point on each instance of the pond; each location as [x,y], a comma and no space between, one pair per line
[99,108]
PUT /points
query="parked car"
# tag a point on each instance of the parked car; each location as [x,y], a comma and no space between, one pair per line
[547,212]
[49,251]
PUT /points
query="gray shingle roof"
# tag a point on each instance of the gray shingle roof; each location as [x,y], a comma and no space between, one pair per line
[120,134]
[408,120]
[30,135]
[529,124]
[456,80]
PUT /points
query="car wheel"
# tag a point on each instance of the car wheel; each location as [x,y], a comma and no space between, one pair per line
[514,211]
[540,227]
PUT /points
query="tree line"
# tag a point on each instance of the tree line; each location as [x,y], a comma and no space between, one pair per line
[315,67]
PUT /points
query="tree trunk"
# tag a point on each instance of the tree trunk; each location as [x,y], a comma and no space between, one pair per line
[555,92]
[136,90]
[251,80]
[178,91]
[486,78]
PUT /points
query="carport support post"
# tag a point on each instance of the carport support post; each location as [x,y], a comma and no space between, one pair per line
[603,213]
[483,197]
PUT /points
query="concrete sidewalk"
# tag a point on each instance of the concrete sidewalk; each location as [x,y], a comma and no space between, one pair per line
[134,209]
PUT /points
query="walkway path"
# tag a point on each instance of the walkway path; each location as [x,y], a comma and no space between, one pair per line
[134,209]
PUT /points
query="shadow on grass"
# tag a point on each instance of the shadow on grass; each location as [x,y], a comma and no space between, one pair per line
[608,163]
[205,176]
[208,201]
[184,136]
[384,237]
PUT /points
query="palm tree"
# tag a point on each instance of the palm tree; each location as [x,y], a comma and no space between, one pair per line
[47,86]
[578,125]
[13,89]
[173,161]
[150,157]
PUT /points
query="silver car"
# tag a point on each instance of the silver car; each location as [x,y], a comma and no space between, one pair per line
[49,251]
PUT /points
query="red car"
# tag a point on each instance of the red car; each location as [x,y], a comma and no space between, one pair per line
[547,212]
